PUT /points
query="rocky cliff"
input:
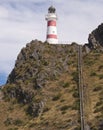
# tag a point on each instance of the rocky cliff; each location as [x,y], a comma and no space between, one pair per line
[96,38]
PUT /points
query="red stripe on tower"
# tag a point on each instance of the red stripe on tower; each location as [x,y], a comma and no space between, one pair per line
[52,36]
[51,23]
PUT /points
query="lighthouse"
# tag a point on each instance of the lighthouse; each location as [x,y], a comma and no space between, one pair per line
[51,18]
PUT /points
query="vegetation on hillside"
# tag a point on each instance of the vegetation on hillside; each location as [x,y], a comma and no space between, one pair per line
[43,85]
[42,90]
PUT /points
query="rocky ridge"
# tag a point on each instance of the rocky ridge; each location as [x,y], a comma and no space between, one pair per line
[95,39]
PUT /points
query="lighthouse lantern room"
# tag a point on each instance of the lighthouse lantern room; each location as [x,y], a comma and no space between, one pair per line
[51,18]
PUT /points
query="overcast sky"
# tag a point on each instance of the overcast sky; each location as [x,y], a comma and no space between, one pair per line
[24,20]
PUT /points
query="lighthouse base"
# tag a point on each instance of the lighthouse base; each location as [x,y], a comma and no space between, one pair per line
[52,41]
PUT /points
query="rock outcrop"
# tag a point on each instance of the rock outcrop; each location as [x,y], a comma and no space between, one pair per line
[96,38]
[36,64]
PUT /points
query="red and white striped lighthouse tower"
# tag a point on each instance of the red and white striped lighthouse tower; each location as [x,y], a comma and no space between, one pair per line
[51,18]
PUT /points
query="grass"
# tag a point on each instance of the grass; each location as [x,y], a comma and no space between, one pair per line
[93,79]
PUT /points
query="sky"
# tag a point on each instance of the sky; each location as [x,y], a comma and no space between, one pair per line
[24,20]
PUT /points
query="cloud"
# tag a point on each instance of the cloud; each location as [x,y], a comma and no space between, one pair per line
[78,18]
[24,20]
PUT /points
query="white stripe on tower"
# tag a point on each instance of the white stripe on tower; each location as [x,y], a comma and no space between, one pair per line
[51,18]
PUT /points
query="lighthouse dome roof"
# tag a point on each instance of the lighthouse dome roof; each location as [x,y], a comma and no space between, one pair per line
[51,9]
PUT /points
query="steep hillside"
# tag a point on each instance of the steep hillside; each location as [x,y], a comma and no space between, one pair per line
[43,85]
[42,91]
[93,87]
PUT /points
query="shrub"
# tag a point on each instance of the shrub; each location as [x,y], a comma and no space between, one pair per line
[77,128]
[99,103]
[62,100]
[8,121]
[101,76]
[57,97]
[98,109]
[89,62]
[64,108]
[63,112]
[70,62]
[12,129]
[46,109]
[75,76]
[76,94]
[45,63]
[10,108]
[97,88]
[66,84]
[100,67]
[31,125]
[93,74]
[76,105]
[18,122]
[93,128]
